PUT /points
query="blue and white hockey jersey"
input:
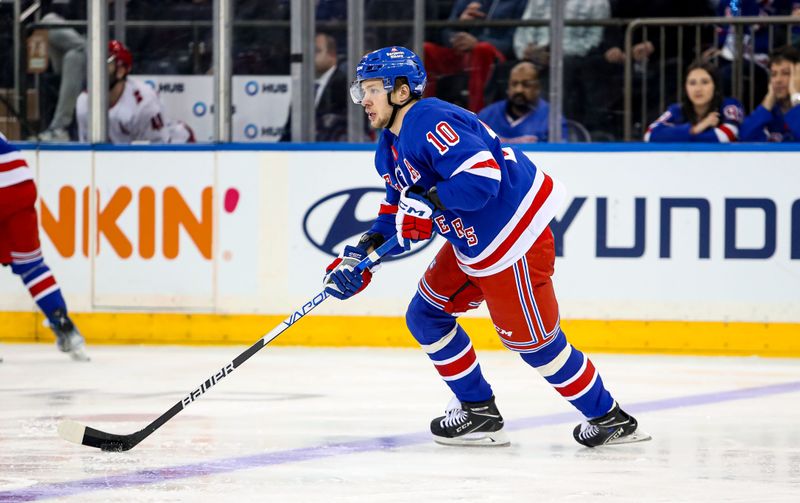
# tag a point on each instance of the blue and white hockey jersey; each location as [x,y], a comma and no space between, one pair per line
[672,126]
[498,202]
[774,126]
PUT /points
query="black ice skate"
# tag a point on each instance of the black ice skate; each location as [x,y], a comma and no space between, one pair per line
[616,427]
[470,423]
[68,339]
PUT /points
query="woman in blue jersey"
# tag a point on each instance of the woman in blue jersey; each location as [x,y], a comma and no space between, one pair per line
[703,115]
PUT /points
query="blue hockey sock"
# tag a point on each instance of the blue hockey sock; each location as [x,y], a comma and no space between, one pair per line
[44,289]
[455,360]
[449,348]
[573,375]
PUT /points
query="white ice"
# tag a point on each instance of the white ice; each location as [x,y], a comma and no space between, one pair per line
[298,424]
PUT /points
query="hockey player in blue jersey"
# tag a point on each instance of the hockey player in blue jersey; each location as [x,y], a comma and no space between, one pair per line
[21,250]
[777,118]
[446,172]
[703,114]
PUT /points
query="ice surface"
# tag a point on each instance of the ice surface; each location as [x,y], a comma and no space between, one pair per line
[334,425]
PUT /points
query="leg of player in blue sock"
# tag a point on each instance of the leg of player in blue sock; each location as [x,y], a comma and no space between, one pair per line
[20,248]
[471,418]
[524,309]
[449,349]
[44,290]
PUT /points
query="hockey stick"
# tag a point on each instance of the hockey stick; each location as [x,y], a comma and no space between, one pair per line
[80,434]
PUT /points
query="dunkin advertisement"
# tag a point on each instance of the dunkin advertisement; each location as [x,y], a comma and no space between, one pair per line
[686,236]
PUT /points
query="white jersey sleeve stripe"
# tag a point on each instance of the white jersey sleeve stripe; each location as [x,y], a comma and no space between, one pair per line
[15,176]
[479,158]
[492,173]
[721,136]
[14,155]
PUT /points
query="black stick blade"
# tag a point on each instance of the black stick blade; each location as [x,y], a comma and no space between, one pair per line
[77,433]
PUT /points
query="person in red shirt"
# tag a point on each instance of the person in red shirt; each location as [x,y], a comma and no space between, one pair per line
[474,51]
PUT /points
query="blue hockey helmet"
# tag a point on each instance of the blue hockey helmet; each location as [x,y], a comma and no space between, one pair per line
[388,64]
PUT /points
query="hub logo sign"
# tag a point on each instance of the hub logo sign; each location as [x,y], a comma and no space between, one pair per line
[186,98]
[251,88]
[335,221]
[262,107]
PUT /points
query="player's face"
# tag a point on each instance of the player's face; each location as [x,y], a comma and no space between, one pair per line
[116,72]
[699,87]
[780,73]
[523,86]
[376,103]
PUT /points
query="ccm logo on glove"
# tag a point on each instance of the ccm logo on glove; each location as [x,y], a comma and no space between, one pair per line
[414,218]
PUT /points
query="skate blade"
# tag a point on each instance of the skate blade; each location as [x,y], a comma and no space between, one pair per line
[79,354]
[490,439]
[636,436]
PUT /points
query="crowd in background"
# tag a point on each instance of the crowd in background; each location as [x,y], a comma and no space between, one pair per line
[500,73]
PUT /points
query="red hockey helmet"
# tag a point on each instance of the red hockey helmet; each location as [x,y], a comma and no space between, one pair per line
[118,52]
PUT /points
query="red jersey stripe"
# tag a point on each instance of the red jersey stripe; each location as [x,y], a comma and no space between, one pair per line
[728,132]
[524,222]
[490,163]
[17,163]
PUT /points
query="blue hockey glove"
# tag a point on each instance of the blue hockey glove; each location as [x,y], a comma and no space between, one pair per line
[341,281]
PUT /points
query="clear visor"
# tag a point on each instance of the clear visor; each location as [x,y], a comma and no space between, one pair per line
[363,89]
[356,92]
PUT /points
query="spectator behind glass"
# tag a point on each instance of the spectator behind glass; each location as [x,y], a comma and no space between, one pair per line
[259,50]
[581,50]
[605,98]
[777,119]
[756,37]
[475,50]
[333,11]
[135,113]
[522,117]
[171,50]
[330,93]
[533,42]
[66,49]
[703,114]
[397,10]
[756,40]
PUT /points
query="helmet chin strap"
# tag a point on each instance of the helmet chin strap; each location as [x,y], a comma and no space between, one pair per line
[396,108]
